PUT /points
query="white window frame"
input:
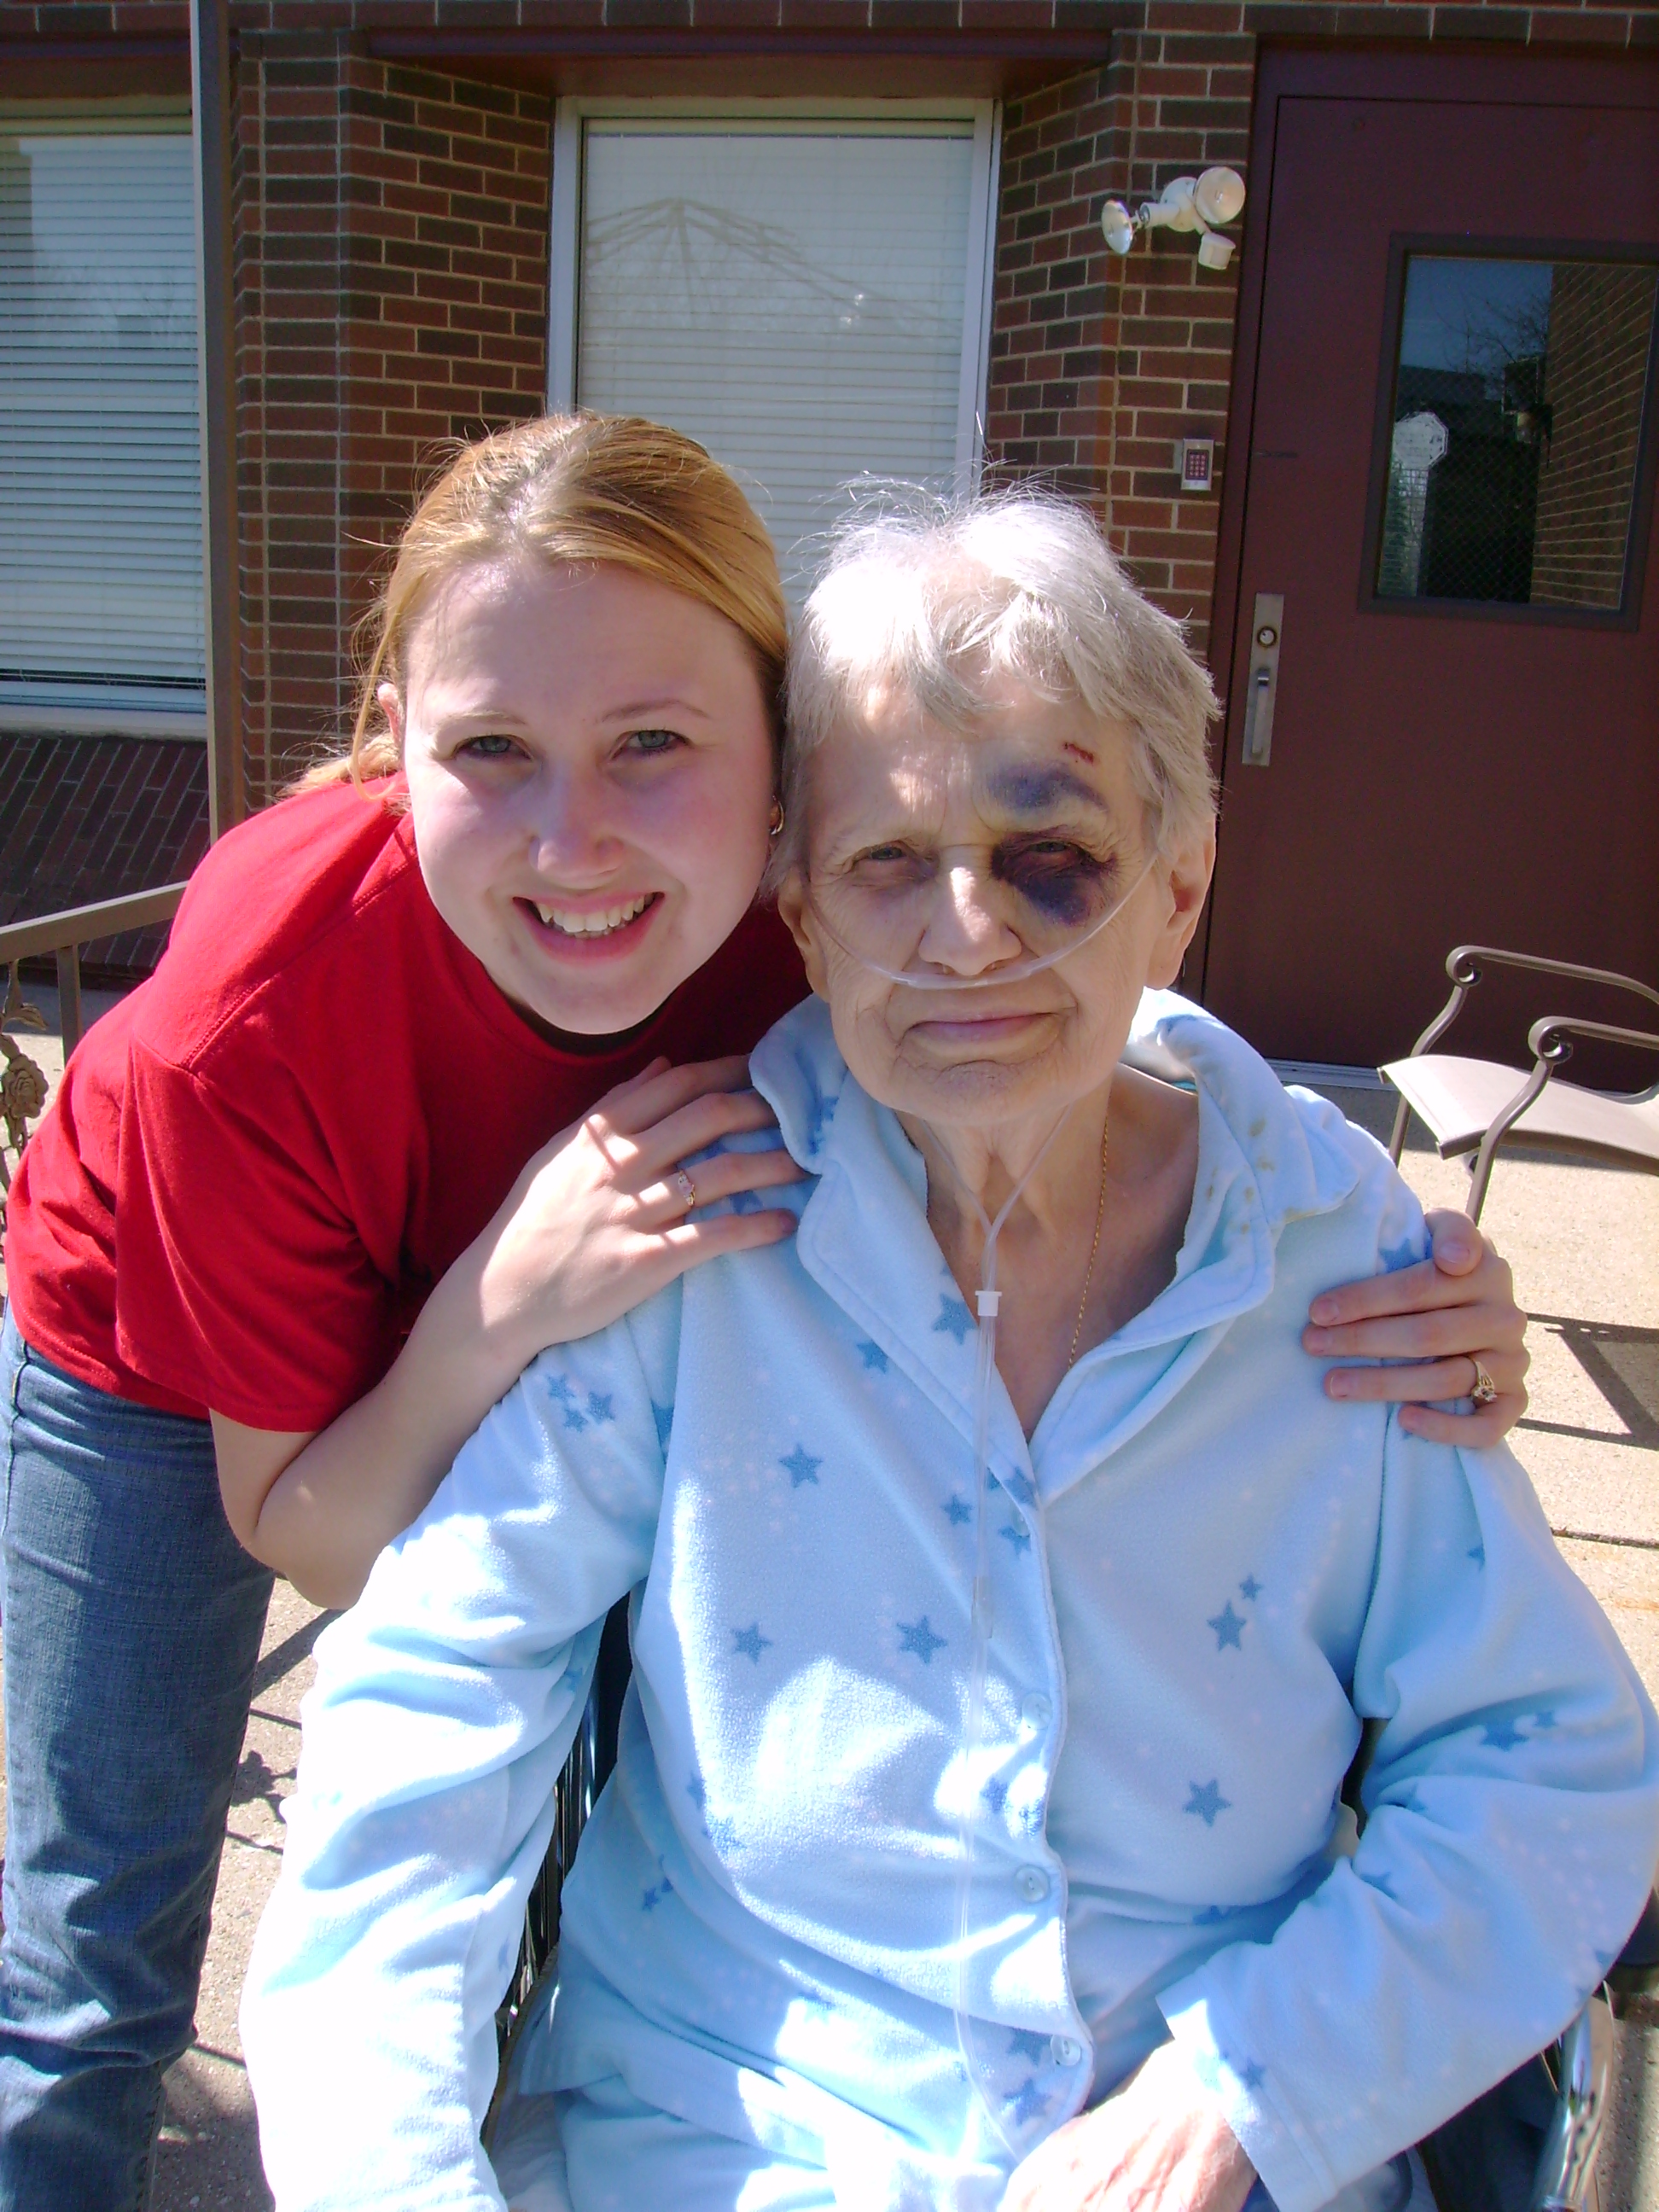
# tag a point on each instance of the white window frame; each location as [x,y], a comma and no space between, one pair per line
[570,118]
[162,113]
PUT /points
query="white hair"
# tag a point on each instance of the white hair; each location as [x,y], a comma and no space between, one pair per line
[933,599]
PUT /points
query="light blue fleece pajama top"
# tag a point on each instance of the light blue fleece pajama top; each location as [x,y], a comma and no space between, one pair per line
[1205,1572]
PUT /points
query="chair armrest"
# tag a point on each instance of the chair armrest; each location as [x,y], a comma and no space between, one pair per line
[1463,966]
[1548,1037]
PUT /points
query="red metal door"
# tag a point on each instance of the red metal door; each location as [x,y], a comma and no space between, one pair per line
[1439,771]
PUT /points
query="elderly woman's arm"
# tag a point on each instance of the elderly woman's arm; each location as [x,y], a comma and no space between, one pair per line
[444,1704]
[1513,1803]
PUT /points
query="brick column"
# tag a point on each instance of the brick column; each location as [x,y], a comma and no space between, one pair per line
[1099,365]
[392,244]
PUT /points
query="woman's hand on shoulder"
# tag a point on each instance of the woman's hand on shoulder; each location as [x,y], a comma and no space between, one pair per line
[1438,1319]
[1154,2146]
[597,1221]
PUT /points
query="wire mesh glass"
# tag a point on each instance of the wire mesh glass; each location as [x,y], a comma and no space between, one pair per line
[1519,393]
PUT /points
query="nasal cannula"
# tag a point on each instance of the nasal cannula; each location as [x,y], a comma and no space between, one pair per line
[990,1300]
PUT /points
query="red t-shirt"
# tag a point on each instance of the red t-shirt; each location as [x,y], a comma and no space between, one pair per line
[260,1161]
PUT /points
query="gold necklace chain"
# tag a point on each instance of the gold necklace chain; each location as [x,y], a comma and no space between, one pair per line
[1100,1215]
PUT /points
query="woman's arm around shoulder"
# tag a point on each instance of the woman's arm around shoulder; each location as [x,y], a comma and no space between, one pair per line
[444,1706]
[594,1224]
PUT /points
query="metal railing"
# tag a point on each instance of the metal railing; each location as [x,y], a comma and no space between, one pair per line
[23,1084]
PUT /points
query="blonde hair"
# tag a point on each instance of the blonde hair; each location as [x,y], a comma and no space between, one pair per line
[931,597]
[579,488]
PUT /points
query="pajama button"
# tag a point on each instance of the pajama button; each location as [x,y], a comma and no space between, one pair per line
[1037,1711]
[1032,1883]
[1067,2053]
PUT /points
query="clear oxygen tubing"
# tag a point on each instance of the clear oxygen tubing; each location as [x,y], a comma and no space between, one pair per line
[1006,971]
[988,1301]
[981,1612]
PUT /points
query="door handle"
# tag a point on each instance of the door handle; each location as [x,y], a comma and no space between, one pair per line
[1263,680]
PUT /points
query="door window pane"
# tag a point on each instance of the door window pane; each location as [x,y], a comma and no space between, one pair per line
[792,296]
[100,517]
[1519,388]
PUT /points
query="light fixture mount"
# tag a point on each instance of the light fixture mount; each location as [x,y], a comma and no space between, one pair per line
[1199,203]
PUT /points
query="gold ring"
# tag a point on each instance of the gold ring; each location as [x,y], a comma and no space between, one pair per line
[1485,1388]
[686,1188]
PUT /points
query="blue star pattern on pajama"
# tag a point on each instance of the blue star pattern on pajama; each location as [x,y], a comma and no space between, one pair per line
[817,1106]
[800,1466]
[758,1935]
[1206,1800]
[1028,2101]
[1229,1628]
[579,1413]
[917,1636]
[954,1319]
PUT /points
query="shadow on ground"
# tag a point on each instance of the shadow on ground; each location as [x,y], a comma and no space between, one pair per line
[209,2153]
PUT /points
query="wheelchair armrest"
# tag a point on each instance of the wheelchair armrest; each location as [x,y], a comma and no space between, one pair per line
[1635,1971]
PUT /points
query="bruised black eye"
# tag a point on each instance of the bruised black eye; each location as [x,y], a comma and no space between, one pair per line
[1063,880]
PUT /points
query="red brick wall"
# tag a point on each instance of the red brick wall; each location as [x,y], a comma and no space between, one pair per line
[392,296]
[1600,314]
[88,819]
[1098,364]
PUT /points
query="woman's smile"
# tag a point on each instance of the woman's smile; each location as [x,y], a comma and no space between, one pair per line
[569,929]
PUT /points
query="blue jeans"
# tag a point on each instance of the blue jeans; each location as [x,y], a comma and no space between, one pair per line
[132,1622]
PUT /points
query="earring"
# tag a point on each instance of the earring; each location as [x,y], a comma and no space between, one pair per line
[774,822]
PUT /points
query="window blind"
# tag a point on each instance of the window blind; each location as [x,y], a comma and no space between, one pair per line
[100,520]
[792,296]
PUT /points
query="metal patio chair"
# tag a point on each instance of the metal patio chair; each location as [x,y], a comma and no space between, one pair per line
[1474,1106]
[1528,2145]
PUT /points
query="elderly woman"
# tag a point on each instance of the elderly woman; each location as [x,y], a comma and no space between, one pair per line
[1007,1598]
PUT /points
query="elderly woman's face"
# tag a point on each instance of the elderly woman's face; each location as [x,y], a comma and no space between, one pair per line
[933,854]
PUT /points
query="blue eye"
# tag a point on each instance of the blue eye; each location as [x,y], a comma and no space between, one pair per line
[489,748]
[652,742]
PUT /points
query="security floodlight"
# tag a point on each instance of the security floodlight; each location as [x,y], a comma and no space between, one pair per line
[1185,204]
[1219,195]
[1119,226]
[1175,206]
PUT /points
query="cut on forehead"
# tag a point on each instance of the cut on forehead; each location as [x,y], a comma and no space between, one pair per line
[946,604]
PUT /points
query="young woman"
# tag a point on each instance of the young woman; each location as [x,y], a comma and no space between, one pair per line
[279,1229]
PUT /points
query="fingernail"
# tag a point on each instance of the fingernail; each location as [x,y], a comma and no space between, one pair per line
[1337,1385]
[1323,1309]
